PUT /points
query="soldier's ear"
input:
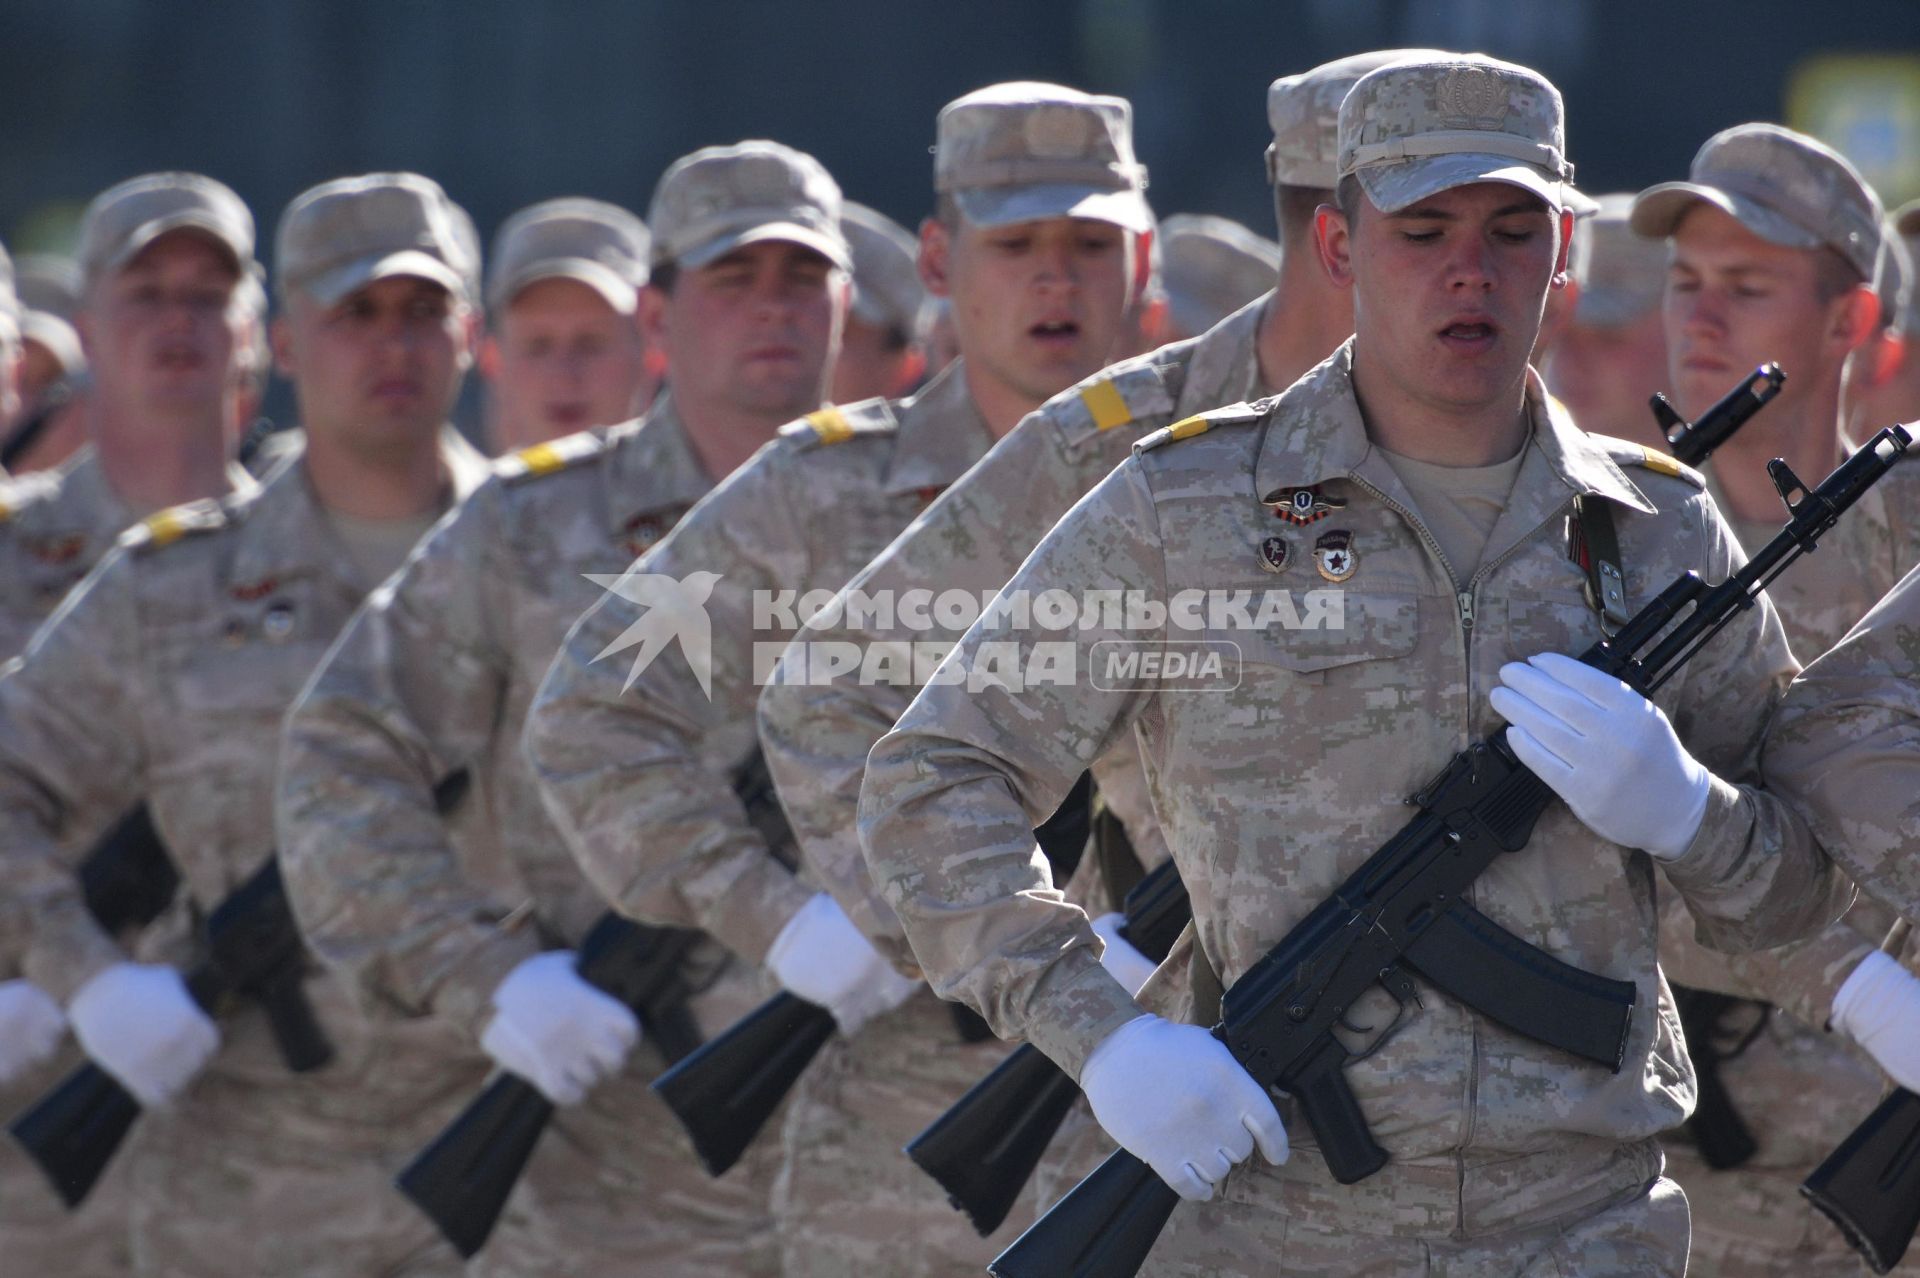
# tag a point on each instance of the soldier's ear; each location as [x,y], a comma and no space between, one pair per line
[1562,259]
[936,258]
[1333,241]
[652,317]
[280,335]
[1855,315]
[489,359]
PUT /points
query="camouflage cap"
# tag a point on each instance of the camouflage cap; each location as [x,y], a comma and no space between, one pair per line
[1211,267]
[1304,112]
[601,245]
[1415,128]
[1783,186]
[722,197]
[1024,150]
[125,218]
[1621,275]
[887,291]
[48,282]
[345,234]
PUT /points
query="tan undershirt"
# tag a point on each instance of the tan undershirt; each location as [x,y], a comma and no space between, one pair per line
[378,546]
[1458,504]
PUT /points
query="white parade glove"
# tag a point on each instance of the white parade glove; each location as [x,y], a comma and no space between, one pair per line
[1174,1097]
[1123,963]
[138,1023]
[822,957]
[556,1031]
[1605,749]
[1879,1008]
[31,1027]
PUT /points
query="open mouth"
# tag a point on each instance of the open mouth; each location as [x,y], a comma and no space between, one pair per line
[1055,331]
[1470,334]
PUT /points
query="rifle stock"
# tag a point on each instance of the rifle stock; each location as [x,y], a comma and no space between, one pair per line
[1870,1185]
[461,1180]
[984,1149]
[1719,1133]
[1278,1017]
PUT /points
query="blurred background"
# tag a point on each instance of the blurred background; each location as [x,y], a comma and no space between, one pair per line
[510,101]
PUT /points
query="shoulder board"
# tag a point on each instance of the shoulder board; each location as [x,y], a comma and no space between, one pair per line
[1124,396]
[173,524]
[1188,427]
[1628,453]
[839,423]
[545,459]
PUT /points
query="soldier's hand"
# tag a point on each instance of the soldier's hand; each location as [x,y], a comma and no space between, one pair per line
[1174,1097]
[555,1030]
[31,1026]
[138,1022]
[1124,963]
[1606,750]
[1879,1008]
[822,957]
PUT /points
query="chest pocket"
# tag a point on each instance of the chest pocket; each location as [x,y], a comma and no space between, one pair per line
[1325,634]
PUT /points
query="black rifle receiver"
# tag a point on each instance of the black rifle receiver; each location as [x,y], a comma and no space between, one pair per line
[1402,911]
[1694,442]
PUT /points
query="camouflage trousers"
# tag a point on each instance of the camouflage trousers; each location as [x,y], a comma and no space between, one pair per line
[615,1179]
[255,1170]
[1642,1234]
[1800,1091]
[38,1235]
[847,1200]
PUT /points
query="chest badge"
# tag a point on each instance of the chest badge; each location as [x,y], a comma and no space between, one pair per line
[277,623]
[1333,555]
[1273,553]
[642,531]
[1303,506]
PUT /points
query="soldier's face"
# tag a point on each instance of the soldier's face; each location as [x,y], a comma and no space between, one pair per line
[873,361]
[382,364]
[1606,373]
[563,360]
[163,332]
[755,330]
[1448,293]
[1735,301]
[1037,306]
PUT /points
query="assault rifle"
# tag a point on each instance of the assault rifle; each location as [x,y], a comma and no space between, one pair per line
[1404,911]
[983,1150]
[1708,1020]
[724,1093]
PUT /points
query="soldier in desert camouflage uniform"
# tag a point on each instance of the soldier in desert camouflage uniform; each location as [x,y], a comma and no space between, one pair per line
[437,673]
[1506,1156]
[170,298]
[1884,387]
[166,676]
[880,353]
[1773,242]
[1034,239]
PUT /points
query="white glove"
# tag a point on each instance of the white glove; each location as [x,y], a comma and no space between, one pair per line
[1124,963]
[556,1031]
[31,1026]
[1879,1008]
[1174,1097]
[1605,749]
[138,1023]
[822,957]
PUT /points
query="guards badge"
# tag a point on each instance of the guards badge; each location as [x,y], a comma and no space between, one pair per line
[1303,506]
[1333,555]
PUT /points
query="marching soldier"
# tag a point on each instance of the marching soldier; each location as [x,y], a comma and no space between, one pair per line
[1884,383]
[880,352]
[166,677]
[53,366]
[1210,268]
[1772,245]
[1442,477]
[746,299]
[1034,238]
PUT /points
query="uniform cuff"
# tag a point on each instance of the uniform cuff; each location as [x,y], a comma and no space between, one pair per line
[1717,846]
[748,917]
[466,997]
[1077,1005]
[68,950]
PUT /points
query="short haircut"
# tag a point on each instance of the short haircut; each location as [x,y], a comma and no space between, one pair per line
[1293,211]
[1834,275]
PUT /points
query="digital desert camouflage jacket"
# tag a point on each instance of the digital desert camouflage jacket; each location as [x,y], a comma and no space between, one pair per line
[1273,789]
[817,727]
[54,527]
[636,763]
[434,675]
[165,676]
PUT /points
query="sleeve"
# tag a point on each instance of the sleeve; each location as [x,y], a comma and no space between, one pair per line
[409,693]
[72,757]
[1844,748]
[1802,977]
[647,711]
[988,749]
[1753,876]
[817,729]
